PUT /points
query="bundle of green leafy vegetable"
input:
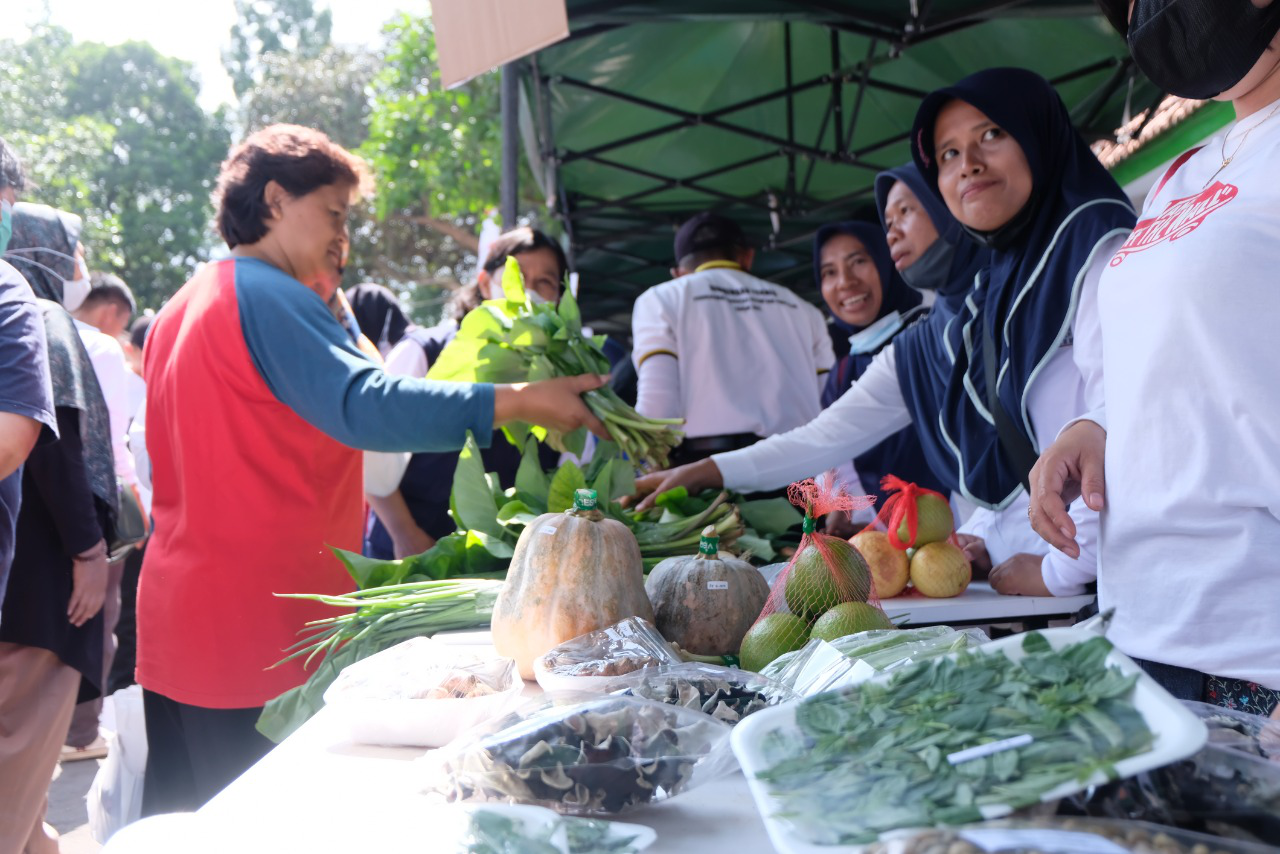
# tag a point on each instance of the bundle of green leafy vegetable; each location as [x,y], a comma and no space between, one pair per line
[490,518]
[386,609]
[513,340]
[886,755]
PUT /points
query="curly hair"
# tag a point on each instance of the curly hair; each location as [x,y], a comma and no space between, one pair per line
[298,159]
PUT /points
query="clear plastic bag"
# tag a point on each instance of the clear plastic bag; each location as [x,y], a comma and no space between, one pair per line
[600,756]
[591,661]
[422,693]
[1231,787]
[726,693]
[825,666]
[520,829]
[1061,835]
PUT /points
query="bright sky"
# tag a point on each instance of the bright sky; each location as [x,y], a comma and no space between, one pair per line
[194,30]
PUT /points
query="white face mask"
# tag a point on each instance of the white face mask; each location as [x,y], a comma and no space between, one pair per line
[74,291]
[873,337]
[536,298]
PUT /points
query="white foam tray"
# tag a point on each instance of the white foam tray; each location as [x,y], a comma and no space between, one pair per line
[1178,734]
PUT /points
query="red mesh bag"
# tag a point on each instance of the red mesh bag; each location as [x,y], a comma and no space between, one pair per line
[914,516]
[824,591]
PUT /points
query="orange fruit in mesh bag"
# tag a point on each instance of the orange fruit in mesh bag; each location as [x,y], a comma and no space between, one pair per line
[816,583]
[890,566]
[940,570]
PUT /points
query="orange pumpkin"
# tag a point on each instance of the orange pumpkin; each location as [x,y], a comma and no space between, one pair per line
[572,573]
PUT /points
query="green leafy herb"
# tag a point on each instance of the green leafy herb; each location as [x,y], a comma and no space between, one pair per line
[874,757]
[513,340]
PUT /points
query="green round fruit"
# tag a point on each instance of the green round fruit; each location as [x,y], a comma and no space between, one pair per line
[934,521]
[771,637]
[814,587]
[849,618]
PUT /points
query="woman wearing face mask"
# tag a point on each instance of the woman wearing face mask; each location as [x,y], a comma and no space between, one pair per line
[1190,425]
[1022,183]
[51,629]
[257,402]
[409,495]
[869,304]
[934,254]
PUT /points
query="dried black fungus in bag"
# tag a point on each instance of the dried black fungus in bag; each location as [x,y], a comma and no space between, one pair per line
[594,757]
[726,693]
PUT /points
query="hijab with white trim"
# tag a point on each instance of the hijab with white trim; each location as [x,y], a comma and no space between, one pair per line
[1027,297]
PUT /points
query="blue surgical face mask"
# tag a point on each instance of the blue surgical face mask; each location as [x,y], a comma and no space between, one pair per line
[6,224]
[873,337]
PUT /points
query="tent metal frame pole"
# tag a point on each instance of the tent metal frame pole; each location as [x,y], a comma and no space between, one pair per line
[509,188]
[708,120]
[675,183]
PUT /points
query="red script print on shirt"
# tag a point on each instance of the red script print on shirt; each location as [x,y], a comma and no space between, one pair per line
[1180,218]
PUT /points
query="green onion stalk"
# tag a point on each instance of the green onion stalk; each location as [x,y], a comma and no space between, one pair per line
[646,441]
[383,616]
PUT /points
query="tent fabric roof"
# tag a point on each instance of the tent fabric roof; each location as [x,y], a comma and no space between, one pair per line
[776,113]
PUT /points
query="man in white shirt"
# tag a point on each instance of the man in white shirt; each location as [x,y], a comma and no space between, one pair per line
[736,357]
[100,319]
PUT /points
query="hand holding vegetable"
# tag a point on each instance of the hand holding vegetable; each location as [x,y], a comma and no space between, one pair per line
[1071,467]
[694,477]
[555,403]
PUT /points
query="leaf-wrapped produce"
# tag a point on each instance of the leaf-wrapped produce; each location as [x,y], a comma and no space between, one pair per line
[595,757]
[572,573]
[706,602]
[826,588]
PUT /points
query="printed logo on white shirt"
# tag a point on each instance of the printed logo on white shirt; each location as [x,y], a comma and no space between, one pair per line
[1180,218]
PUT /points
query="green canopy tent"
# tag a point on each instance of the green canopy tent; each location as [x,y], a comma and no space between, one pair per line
[776,113]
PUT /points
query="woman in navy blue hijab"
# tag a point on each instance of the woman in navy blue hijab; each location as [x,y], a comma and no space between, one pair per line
[866,297]
[999,149]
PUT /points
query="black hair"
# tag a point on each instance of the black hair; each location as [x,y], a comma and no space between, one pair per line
[108,287]
[11,174]
[1117,14]
[694,260]
[514,242]
[520,240]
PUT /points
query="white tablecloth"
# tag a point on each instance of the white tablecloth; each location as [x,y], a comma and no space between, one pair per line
[318,792]
[980,603]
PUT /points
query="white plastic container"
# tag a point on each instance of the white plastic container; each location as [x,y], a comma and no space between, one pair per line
[1178,734]
[380,701]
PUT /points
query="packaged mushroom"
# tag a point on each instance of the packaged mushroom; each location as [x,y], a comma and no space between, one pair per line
[598,756]
[591,661]
[726,693]
[422,693]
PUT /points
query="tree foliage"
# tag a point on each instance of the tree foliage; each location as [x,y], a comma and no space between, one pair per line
[264,28]
[114,134]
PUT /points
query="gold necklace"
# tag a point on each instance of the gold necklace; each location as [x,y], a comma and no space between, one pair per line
[1226,161]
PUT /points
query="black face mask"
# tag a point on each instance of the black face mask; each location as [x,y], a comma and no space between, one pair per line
[1199,48]
[931,270]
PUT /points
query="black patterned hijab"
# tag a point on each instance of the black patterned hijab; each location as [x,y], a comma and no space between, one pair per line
[43,249]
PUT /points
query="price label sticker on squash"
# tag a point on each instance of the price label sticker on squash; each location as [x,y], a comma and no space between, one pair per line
[547,529]
[717,585]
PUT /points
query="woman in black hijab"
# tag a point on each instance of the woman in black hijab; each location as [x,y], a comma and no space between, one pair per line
[51,630]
